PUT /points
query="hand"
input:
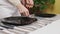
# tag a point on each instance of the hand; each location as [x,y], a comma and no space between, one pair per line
[28,3]
[23,10]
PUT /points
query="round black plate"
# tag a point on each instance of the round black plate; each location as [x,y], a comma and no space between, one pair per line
[46,15]
[18,20]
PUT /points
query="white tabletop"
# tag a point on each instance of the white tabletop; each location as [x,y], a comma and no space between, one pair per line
[42,26]
[53,28]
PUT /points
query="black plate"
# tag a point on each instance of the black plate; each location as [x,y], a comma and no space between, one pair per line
[18,20]
[46,15]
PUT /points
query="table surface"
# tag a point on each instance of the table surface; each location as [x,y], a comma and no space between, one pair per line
[53,28]
[29,28]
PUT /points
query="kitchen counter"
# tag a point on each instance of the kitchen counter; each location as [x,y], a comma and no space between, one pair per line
[29,28]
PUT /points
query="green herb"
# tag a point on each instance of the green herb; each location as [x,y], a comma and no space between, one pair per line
[42,4]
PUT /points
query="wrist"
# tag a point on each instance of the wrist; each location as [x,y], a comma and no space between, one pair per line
[19,6]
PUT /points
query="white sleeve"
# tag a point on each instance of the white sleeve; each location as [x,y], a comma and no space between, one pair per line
[15,2]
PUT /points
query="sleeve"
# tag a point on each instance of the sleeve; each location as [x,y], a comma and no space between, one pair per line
[15,2]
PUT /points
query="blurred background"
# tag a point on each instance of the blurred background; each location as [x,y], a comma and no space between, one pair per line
[56,8]
[46,6]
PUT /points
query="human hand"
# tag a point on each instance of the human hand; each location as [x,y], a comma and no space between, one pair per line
[23,10]
[28,3]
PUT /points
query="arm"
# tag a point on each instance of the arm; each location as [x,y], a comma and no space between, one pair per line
[20,7]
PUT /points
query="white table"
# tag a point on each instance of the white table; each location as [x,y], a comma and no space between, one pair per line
[36,28]
[53,28]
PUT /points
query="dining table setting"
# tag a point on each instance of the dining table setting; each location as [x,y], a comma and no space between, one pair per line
[25,25]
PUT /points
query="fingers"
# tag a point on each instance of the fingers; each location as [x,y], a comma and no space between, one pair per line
[29,6]
[23,2]
[28,13]
[29,3]
[23,10]
[24,13]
